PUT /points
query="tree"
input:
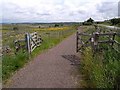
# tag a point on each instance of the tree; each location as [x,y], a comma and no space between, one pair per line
[15,28]
[90,20]
[56,25]
[115,21]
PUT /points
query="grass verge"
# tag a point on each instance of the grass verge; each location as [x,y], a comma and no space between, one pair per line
[101,69]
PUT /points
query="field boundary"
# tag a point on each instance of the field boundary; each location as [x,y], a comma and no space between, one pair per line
[94,40]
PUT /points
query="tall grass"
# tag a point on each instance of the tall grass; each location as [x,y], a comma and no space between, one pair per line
[12,63]
[102,70]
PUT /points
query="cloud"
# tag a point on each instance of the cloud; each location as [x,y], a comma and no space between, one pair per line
[108,9]
[119,9]
[57,10]
[43,14]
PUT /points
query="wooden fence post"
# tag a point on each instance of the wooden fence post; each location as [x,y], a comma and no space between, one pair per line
[77,41]
[113,38]
[92,42]
[77,38]
[96,38]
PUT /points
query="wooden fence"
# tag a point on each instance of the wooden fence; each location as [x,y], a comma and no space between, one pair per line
[94,40]
[30,42]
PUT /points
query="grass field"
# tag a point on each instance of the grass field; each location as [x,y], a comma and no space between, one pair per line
[51,36]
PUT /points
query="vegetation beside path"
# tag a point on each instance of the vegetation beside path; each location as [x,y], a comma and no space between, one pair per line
[51,37]
[101,69]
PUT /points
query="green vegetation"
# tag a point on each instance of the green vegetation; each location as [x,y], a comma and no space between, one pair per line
[102,68]
[90,21]
[12,63]
[102,71]
[113,22]
[51,37]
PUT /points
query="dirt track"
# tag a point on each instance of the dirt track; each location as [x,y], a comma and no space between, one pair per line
[55,68]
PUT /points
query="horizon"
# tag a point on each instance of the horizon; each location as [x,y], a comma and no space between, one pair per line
[44,22]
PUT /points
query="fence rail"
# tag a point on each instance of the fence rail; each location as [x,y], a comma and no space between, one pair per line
[94,40]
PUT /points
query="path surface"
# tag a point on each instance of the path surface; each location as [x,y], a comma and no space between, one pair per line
[55,68]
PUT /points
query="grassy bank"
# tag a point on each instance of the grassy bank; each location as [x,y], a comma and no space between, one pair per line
[101,69]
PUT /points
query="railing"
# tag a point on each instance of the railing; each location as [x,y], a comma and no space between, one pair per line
[94,40]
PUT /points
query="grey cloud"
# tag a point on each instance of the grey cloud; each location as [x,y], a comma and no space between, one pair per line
[81,11]
[108,9]
[106,6]
[78,12]
[10,7]
[71,13]
[119,8]
[19,12]
[43,14]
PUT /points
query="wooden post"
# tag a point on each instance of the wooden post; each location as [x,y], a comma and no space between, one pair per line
[119,47]
[96,38]
[92,42]
[92,45]
[77,41]
[39,40]
[17,46]
[113,38]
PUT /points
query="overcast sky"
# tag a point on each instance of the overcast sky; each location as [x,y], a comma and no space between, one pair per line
[57,10]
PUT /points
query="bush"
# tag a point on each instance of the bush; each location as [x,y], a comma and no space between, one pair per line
[90,21]
[56,25]
[15,28]
[87,23]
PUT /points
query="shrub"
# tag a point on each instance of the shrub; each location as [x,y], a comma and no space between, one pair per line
[15,28]
[87,23]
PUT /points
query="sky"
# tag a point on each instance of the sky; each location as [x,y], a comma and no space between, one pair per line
[16,11]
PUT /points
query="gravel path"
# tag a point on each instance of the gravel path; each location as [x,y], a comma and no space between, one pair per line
[55,68]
